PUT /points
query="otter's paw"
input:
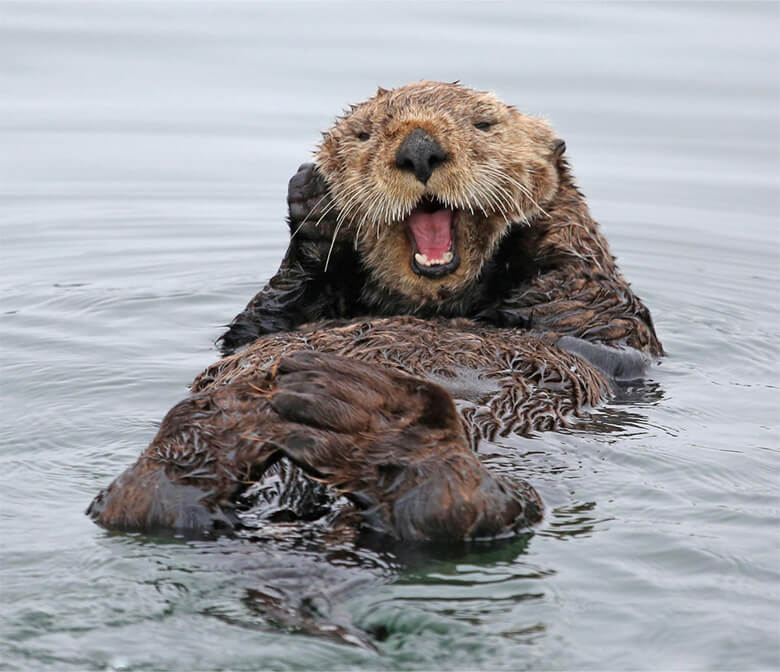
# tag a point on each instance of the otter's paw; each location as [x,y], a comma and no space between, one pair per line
[620,363]
[309,202]
[396,446]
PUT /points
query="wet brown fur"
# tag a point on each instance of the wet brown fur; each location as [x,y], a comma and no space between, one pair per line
[352,405]
[367,404]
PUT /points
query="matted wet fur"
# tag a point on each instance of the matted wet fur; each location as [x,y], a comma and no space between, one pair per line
[469,294]
[353,407]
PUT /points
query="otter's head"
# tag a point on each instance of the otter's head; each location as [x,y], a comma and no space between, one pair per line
[429,177]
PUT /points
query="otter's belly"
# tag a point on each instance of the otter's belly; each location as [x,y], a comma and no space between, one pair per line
[504,380]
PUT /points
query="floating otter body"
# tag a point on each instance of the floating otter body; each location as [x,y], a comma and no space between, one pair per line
[348,404]
[466,293]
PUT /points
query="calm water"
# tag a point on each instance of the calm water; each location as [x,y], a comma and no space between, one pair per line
[145,153]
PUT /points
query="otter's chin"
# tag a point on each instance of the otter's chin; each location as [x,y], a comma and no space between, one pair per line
[432,233]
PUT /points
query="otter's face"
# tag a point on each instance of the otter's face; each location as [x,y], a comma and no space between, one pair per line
[429,177]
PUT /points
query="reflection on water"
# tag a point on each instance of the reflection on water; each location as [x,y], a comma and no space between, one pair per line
[146,150]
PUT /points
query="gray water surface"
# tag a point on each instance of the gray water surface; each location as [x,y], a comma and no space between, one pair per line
[144,155]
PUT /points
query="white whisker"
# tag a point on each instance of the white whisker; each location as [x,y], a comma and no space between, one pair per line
[332,243]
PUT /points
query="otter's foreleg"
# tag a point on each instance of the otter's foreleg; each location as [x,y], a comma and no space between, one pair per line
[576,301]
[316,279]
[396,446]
[274,309]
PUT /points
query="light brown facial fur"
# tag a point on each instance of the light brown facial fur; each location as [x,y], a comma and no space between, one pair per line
[499,169]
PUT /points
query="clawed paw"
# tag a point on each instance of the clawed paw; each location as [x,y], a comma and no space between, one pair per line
[309,201]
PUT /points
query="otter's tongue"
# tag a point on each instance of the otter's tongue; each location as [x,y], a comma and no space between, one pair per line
[432,232]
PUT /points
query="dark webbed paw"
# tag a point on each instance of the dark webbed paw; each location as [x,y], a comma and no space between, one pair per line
[309,202]
[319,239]
[395,446]
[620,363]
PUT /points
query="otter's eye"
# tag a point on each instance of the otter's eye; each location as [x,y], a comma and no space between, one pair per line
[363,136]
[484,125]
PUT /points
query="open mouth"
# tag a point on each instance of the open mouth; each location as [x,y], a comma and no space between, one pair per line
[431,232]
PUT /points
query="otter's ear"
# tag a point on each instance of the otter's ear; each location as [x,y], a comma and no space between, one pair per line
[380,92]
[558,147]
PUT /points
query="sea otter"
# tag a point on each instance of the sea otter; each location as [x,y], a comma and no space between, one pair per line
[444,284]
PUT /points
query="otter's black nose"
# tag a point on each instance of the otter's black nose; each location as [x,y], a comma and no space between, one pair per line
[419,153]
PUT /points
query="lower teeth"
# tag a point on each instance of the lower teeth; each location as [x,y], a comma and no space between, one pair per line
[422,259]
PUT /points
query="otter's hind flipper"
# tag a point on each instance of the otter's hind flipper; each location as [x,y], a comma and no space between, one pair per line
[395,445]
[144,497]
[209,449]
